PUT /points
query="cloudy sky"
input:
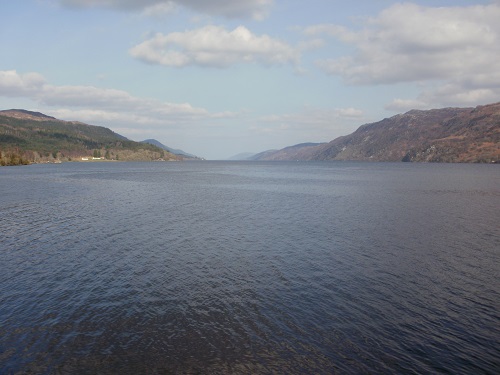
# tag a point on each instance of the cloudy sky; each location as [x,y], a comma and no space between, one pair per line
[220,77]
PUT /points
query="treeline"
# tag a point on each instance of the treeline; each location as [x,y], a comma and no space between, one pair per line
[15,157]
[47,135]
[31,137]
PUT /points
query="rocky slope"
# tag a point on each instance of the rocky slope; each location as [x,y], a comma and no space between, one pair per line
[438,135]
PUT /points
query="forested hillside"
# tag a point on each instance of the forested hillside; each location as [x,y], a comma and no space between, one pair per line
[27,137]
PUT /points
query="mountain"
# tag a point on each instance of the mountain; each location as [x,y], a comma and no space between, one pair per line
[26,115]
[27,136]
[437,135]
[171,150]
[296,152]
[242,156]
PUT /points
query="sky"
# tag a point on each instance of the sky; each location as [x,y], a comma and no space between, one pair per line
[216,78]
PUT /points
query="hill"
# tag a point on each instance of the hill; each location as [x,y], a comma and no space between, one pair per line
[242,156]
[174,151]
[27,136]
[437,135]
[296,152]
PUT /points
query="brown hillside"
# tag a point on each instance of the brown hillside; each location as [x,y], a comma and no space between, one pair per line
[437,135]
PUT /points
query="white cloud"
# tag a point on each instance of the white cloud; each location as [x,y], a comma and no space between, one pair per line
[15,85]
[452,51]
[256,9]
[336,31]
[450,94]
[349,113]
[407,42]
[160,9]
[310,115]
[403,105]
[317,123]
[213,46]
[446,95]
[93,116]
[89,103]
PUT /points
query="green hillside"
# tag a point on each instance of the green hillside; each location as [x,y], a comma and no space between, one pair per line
[27,137]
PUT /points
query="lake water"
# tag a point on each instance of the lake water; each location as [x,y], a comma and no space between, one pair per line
[242,267]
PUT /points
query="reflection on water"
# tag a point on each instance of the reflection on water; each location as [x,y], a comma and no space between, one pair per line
[249,268]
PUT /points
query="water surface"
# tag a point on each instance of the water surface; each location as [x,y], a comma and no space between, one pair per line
[232,267]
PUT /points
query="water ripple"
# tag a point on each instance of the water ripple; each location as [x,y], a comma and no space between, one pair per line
[249,268]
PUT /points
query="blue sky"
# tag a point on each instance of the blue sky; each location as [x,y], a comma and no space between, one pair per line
[220,77]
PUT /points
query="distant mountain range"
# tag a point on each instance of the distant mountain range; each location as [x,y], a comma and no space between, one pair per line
[27,136]
[171,150]
[295,152]
[437,135]
[242,156]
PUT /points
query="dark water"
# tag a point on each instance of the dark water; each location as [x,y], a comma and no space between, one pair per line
[216,267]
